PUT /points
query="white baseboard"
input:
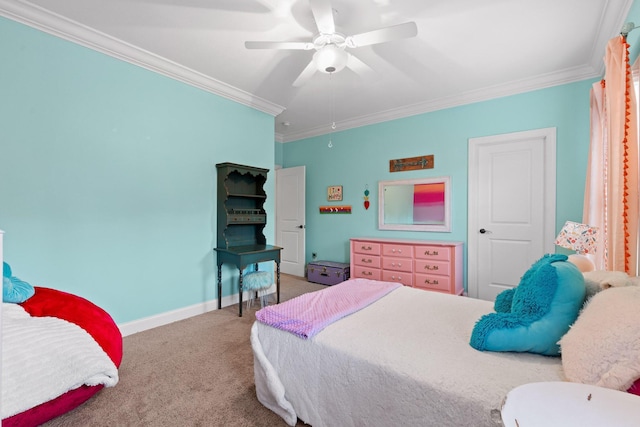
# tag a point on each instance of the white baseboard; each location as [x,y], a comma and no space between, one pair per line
[135,326]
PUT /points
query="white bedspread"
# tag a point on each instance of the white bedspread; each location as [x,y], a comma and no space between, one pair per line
[404,360]
[44,357]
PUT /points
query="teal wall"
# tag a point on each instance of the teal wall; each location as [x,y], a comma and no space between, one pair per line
[634,36]
[107,170]
[107,175]
[360,158]
[279,154]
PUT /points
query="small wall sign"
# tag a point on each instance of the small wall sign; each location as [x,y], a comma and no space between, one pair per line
[335,209]
[334,193]
[411,164]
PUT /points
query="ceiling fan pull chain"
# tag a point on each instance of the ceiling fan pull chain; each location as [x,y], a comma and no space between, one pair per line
[333,113]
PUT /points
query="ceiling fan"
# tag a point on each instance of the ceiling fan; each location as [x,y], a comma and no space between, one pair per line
[330,55]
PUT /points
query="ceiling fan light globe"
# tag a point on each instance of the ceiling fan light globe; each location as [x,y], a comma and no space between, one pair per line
[330,59]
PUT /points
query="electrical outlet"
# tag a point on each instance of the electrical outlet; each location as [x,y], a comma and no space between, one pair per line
[314,255]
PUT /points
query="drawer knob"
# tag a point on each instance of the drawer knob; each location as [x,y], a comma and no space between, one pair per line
[366,273]
[428,252]
[431,267]
[365,248]
[394,250]
[431,282]
[393,264]
[367,260]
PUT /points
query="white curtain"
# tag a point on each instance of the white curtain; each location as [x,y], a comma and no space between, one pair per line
[611,192]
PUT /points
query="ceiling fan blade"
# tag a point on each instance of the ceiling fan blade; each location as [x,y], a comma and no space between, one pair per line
[383,35]
[305,75]
[323,14]
[278,45]
[359,67]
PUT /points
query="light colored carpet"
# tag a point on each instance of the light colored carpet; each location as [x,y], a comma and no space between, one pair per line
[195,372]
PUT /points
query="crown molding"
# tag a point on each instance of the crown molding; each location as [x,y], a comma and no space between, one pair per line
[59,26]
[492,92]
[593,69]
[602,37]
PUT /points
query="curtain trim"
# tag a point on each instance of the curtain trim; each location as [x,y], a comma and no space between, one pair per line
[625,144]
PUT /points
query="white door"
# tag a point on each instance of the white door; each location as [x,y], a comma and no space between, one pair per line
[511,220]
[290,219]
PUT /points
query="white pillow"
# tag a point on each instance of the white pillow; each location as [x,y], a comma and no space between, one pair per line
[603,346]
[596,281]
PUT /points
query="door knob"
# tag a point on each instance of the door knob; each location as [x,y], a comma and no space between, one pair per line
[482,231]
[301,226]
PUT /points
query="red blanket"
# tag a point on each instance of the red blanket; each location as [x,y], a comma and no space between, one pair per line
[72,308]
[97,322]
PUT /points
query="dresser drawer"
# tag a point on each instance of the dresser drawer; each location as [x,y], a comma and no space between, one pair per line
[397,264]
[404,251]
[366,260]
[434,283]
[366,248]
[366,273]
[438,253]
[430,265]
[398,277]
[441,268]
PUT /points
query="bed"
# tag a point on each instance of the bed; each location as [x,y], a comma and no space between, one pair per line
[58,350]
[404,359]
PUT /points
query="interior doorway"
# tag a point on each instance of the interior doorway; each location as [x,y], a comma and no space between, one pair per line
[511,218]
[290,219]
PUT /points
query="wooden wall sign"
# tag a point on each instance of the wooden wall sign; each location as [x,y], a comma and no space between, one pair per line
[411,164]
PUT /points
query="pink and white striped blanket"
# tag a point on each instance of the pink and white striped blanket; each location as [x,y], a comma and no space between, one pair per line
[310,313]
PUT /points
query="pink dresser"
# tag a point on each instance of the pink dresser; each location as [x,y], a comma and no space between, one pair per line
[429,265]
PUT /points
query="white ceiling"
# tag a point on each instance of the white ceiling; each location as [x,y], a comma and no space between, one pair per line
[465,50]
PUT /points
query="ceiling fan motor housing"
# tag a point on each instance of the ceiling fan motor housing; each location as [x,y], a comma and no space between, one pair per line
[330,59]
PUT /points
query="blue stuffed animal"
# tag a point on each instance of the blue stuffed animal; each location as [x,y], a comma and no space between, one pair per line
[13,289]
[533,316]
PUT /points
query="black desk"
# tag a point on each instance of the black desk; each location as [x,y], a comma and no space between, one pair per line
[242,256]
